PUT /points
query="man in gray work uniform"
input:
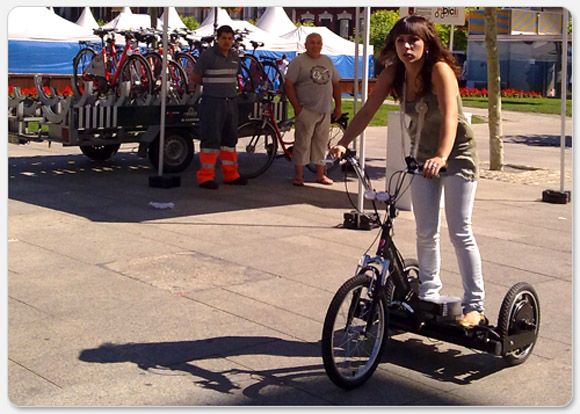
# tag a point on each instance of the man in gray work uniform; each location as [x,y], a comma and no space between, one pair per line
[216,69]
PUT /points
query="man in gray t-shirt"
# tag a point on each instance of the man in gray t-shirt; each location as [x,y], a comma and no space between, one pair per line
[312,82]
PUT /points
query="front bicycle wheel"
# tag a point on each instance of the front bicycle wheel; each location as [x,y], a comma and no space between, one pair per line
[137,71]
[351,347]
[256,148]
[274,77]
[82,70]
[187,62]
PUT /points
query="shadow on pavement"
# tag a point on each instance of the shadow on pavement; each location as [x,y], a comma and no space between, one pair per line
[117,190]
[538,140]
[449,365]
[412,354]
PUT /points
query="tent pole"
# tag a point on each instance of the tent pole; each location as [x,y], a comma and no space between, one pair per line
[564,93]
[365,90]
[163,92]
[215,19]
[561,196]
[356,58]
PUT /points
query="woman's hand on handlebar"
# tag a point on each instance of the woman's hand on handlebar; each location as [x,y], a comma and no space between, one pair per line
[433,166]
[337,152]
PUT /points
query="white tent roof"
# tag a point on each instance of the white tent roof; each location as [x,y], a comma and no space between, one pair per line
[275,20]
[271,43]
[87,19]
[174,21]
[128,20]
[223,18]
[40,23]
[332,44]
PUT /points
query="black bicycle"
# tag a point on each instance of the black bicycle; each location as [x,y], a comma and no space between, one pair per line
[382,299]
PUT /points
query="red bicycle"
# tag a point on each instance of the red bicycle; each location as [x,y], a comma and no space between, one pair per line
[259,138]
[110,68]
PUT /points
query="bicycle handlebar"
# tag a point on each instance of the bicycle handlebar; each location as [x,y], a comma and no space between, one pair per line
[413,167]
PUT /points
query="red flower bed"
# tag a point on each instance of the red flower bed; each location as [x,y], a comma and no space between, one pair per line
[507,93]
[33,93]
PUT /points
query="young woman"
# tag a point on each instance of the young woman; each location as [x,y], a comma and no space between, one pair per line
[422,74]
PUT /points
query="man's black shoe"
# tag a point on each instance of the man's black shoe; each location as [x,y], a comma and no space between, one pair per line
[209,185]
[238,181]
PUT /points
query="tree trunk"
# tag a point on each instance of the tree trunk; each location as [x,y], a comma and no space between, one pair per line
[493,91]
[154,14]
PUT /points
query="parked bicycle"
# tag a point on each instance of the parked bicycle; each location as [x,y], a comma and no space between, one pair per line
[109,69]
[259,139]
[383,297]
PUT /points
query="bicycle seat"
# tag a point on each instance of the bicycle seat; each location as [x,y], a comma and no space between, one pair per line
[102,32]
[342,120]
[255,44]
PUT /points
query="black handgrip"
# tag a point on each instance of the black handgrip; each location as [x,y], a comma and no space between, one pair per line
[414,166]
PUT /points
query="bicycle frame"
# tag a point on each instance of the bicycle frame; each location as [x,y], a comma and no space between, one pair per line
[127,49]
[269,116]
[388,261]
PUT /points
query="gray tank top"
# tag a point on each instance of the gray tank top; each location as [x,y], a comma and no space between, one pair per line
[463,159]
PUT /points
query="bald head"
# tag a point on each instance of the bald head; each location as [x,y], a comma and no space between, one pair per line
[313,45]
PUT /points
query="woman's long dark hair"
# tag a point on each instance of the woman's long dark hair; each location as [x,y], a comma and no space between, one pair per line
[434,52]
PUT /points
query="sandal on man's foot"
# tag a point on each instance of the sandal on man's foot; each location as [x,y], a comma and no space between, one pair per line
[298,182]
[324,180]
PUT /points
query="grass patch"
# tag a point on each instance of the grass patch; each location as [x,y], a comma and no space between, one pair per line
[534,105]
[380,118]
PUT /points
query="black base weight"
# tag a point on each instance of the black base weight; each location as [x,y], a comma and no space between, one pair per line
[164,181]
[360,221]
[556,197]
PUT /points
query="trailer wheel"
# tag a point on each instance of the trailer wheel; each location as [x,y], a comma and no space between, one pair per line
[100,152]
[178,152]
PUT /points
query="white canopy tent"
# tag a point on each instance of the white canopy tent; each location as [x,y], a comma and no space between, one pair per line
[86,19]
[274,20]
[174,21]
[332,44]
[222,18]
[271,43]
[127,20]
[40,23]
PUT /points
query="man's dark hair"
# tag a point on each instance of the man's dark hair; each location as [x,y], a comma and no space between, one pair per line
[224,29]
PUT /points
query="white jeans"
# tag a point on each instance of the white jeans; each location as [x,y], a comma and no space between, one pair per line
[459,198]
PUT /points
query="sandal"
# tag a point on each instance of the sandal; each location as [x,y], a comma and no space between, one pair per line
[298,182]
[325,180]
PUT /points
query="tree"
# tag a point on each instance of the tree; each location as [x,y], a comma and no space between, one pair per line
[382,21]
[493,91]
[190,22]
[459,35]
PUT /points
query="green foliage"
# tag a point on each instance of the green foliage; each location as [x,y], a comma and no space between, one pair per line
[459,36]
[306,24]
[190,21]
[101,22]
[382,21]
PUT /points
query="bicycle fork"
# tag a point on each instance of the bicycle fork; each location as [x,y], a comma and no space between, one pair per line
[379,267]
